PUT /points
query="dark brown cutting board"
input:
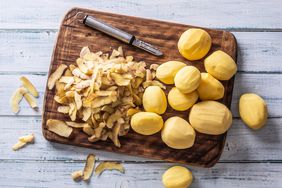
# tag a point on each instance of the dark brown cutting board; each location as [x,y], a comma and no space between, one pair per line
[73,35]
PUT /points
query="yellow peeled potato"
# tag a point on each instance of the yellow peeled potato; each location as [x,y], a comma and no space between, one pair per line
[181,101]
[194,44]
[154,100]
[177,177]
[253,110]
[210,88]
[220,65]
[210,117]
[178,133]
[146,123]
[187,79]
[167,71]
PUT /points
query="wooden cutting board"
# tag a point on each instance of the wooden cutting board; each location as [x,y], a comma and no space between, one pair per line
[73,35]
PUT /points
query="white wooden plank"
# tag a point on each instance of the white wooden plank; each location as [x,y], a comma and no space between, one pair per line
[259,51]
[31,51]
[267,85]
[21,51]
[217,14]
[243,144]
[57,174]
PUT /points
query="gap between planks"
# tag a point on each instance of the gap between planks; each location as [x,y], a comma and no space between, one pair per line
[133,162]
[231,29]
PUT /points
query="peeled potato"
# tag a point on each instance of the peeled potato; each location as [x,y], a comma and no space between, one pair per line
[253,110]
[154,100]
[178,133]
[210,117]
[194,44]
[220,65]
[187,79]
[181,101]
[210,88]
[146,123]
[177,177]
[167,71]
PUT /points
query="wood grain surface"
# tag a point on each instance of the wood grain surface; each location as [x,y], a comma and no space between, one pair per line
[73,35]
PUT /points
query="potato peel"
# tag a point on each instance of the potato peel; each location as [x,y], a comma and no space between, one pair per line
[108,166]
[82,67]
[77,175]
[68,73]
[29,86]
[113,118]
[68,80]
[23,141]
[77,99]
[88,130]
[153,83]
[59,127]
[101,101]
[98,90]
[83,84]
[84,51]
[18,145]
[56,76]
[27,139]
[30,100]
[76,125]
[120,80]
[86,114]
[63,109]
[77,72]
[72,111]
[16,99]
[89,167]
[114,135]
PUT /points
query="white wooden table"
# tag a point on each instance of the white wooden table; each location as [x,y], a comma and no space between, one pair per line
[28,29]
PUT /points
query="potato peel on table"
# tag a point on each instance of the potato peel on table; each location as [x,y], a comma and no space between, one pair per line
[23,141]
[31,100]
[28,91]
[108,166]
[89,167]
[16,99]
[29,86]
[77,175]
